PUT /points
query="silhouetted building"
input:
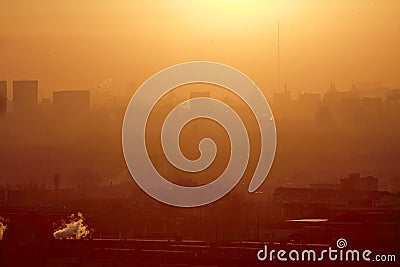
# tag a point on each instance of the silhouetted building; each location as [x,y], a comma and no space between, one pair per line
[355,183]
[310,99]
[284,195]
[292,210]
[3,97]
[308,104]
[282,98]
[72,102]
[325,186]
[386,199]
[282,104]
[334,98]
[56,182]
[25,96]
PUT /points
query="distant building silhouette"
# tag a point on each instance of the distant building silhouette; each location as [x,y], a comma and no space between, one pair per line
[335,97]
[310,98]
[3,97]
[282,98]
[282,104]
[308,104]
[25,96]
[72,102]
[353,191]
[355,183]
[386,199]
[325,186]
[56,182]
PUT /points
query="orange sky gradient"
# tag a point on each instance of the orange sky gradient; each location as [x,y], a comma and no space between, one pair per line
[78,44]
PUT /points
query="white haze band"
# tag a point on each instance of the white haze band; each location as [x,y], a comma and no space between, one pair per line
[143,102]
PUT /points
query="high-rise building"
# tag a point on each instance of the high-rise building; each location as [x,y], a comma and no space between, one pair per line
[282,105]
[25,96]
[355,182]
[3,97]
[72,102]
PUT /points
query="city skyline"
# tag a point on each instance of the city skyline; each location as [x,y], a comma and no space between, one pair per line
[199,133]
[366,89]
[334,125]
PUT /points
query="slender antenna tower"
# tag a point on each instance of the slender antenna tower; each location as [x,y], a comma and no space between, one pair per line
[279,78]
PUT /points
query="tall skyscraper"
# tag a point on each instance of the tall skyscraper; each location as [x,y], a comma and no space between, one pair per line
[25,96]
[3,97]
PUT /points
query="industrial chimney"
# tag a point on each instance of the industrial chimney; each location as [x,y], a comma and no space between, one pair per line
[56,181]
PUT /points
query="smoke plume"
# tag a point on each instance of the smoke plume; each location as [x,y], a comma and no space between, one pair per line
[73,228]
[3,227]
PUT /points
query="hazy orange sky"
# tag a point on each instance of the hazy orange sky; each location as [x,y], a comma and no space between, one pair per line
[77,44]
